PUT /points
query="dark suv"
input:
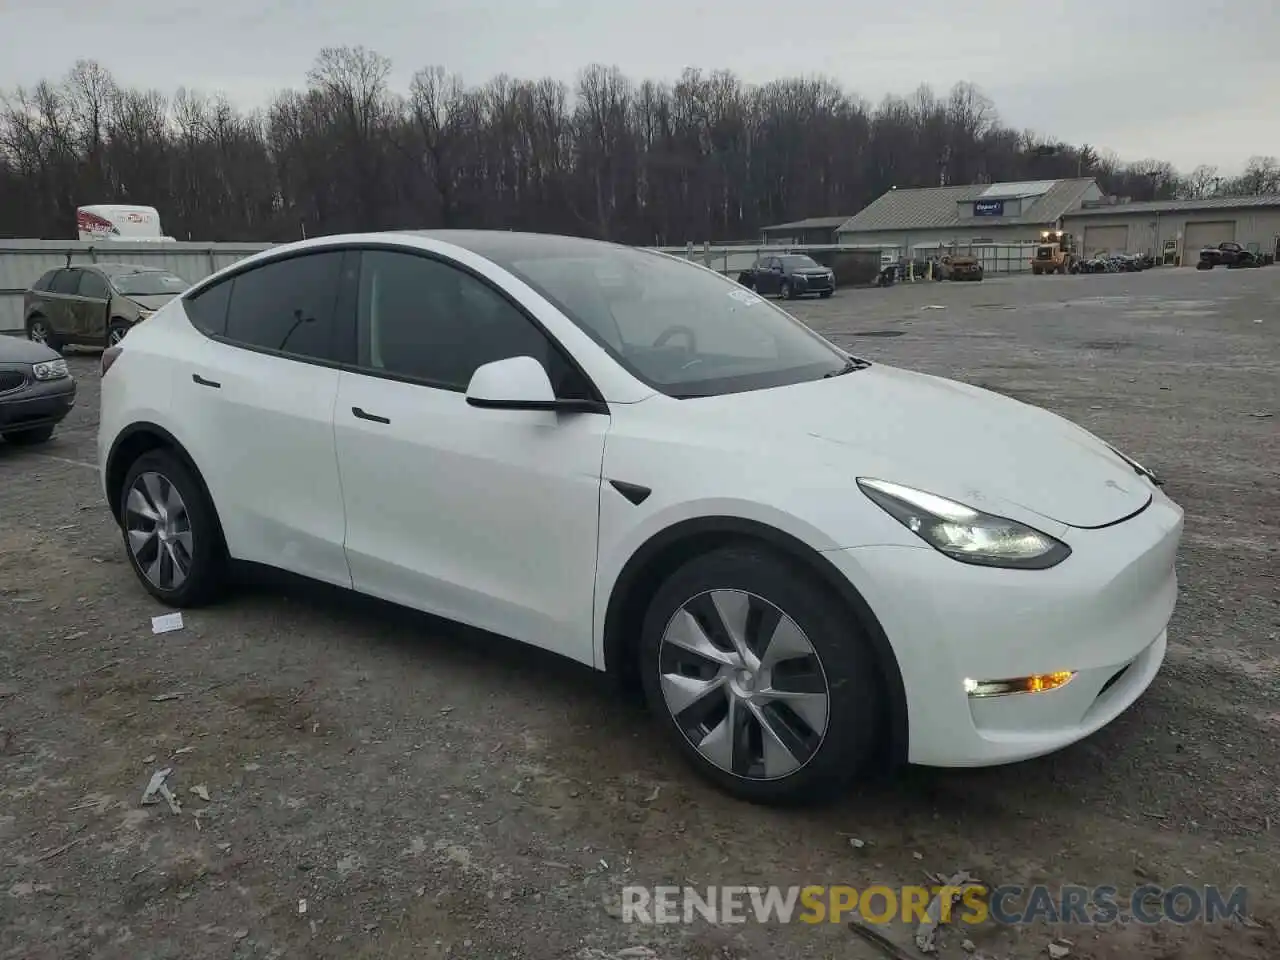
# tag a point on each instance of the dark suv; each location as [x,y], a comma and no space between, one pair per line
[95,305]
[789,275]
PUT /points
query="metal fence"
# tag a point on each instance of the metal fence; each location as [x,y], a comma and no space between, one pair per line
[994,257]
[730,258]
[22,262]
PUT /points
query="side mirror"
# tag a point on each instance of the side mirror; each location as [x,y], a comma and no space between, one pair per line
[521,383]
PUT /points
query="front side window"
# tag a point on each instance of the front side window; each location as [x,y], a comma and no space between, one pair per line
[680,328]
[149,283]
[93,285]
[287,306]
[45,280]
[428,320]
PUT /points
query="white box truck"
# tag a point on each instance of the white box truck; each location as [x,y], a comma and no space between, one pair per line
[118,221]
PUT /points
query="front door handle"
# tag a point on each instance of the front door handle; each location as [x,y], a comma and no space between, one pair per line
[364,415]
[196,378]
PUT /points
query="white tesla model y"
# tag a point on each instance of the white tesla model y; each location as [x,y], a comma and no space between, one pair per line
[809,562]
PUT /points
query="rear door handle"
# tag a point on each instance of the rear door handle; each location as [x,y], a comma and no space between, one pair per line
[364,415]
[196,378]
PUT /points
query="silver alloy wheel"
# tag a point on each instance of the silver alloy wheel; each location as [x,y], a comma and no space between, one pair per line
[115,335]
[38,332]
[159,531]
[744,684]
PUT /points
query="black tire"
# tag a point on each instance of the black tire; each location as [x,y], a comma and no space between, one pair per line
[51,340]
[116,332]
[785,291]
[854,717]
[207,577]
[22,438]
[825,294]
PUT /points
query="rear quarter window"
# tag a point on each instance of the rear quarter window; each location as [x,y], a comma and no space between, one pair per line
[207,310]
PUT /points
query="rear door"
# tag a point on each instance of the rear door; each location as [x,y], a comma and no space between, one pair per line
[257,396]
[769,275]
[89,309]
[58,306]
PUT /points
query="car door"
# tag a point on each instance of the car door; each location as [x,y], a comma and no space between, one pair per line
[89,308]
[59,306]
[767,277]
[254,403]
[488,517]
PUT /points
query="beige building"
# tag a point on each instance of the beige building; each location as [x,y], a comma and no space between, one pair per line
[1174,231]
[910,220]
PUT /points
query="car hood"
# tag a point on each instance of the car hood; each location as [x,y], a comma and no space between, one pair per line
[15,350]
[153,302]
[953,440]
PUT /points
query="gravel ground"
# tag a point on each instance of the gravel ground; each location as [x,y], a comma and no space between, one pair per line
[432,792]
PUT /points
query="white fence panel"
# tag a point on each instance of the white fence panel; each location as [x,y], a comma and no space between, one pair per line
[23,261]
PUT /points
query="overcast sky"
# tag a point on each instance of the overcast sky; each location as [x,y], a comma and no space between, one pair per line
[1179,80]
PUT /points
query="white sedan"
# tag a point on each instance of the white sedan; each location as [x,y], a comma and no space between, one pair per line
[810,563]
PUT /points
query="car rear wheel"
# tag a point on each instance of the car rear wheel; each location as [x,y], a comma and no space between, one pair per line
[25,437]
[761,677]
[171,532]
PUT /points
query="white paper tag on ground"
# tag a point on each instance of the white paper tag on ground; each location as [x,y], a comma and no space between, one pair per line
[166,623]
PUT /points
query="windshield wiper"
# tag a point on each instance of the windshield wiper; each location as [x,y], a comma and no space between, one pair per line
[850,365]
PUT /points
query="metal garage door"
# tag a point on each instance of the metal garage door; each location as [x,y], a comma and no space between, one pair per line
[1208,233]
[1109,239]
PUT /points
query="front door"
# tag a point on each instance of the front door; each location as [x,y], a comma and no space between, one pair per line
[89,308]
[488,517]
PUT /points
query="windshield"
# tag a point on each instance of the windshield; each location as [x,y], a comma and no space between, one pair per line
[681,329]
[149,283]
[799,261]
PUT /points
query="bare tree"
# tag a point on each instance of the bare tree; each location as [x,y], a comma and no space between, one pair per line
[704,157]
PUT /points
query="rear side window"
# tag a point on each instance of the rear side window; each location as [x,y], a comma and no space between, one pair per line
[207,310]
[44,281]
[66,281]
[287,306]
[92,285]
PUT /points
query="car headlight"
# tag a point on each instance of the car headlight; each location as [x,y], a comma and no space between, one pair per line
[50,370]
[963,533]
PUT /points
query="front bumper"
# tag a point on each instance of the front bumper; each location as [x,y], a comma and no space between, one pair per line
[813,284]
[38,404]
[1102,612]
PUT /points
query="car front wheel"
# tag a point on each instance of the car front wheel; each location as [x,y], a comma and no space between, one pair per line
[171,532]
[761,677]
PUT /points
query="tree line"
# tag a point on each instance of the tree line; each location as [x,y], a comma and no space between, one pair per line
[706,157]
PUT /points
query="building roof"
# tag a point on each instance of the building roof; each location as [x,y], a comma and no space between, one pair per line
[813,223]
[936,207]
[1179,206]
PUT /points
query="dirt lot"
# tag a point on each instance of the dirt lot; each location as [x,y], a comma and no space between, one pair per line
[433,793]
